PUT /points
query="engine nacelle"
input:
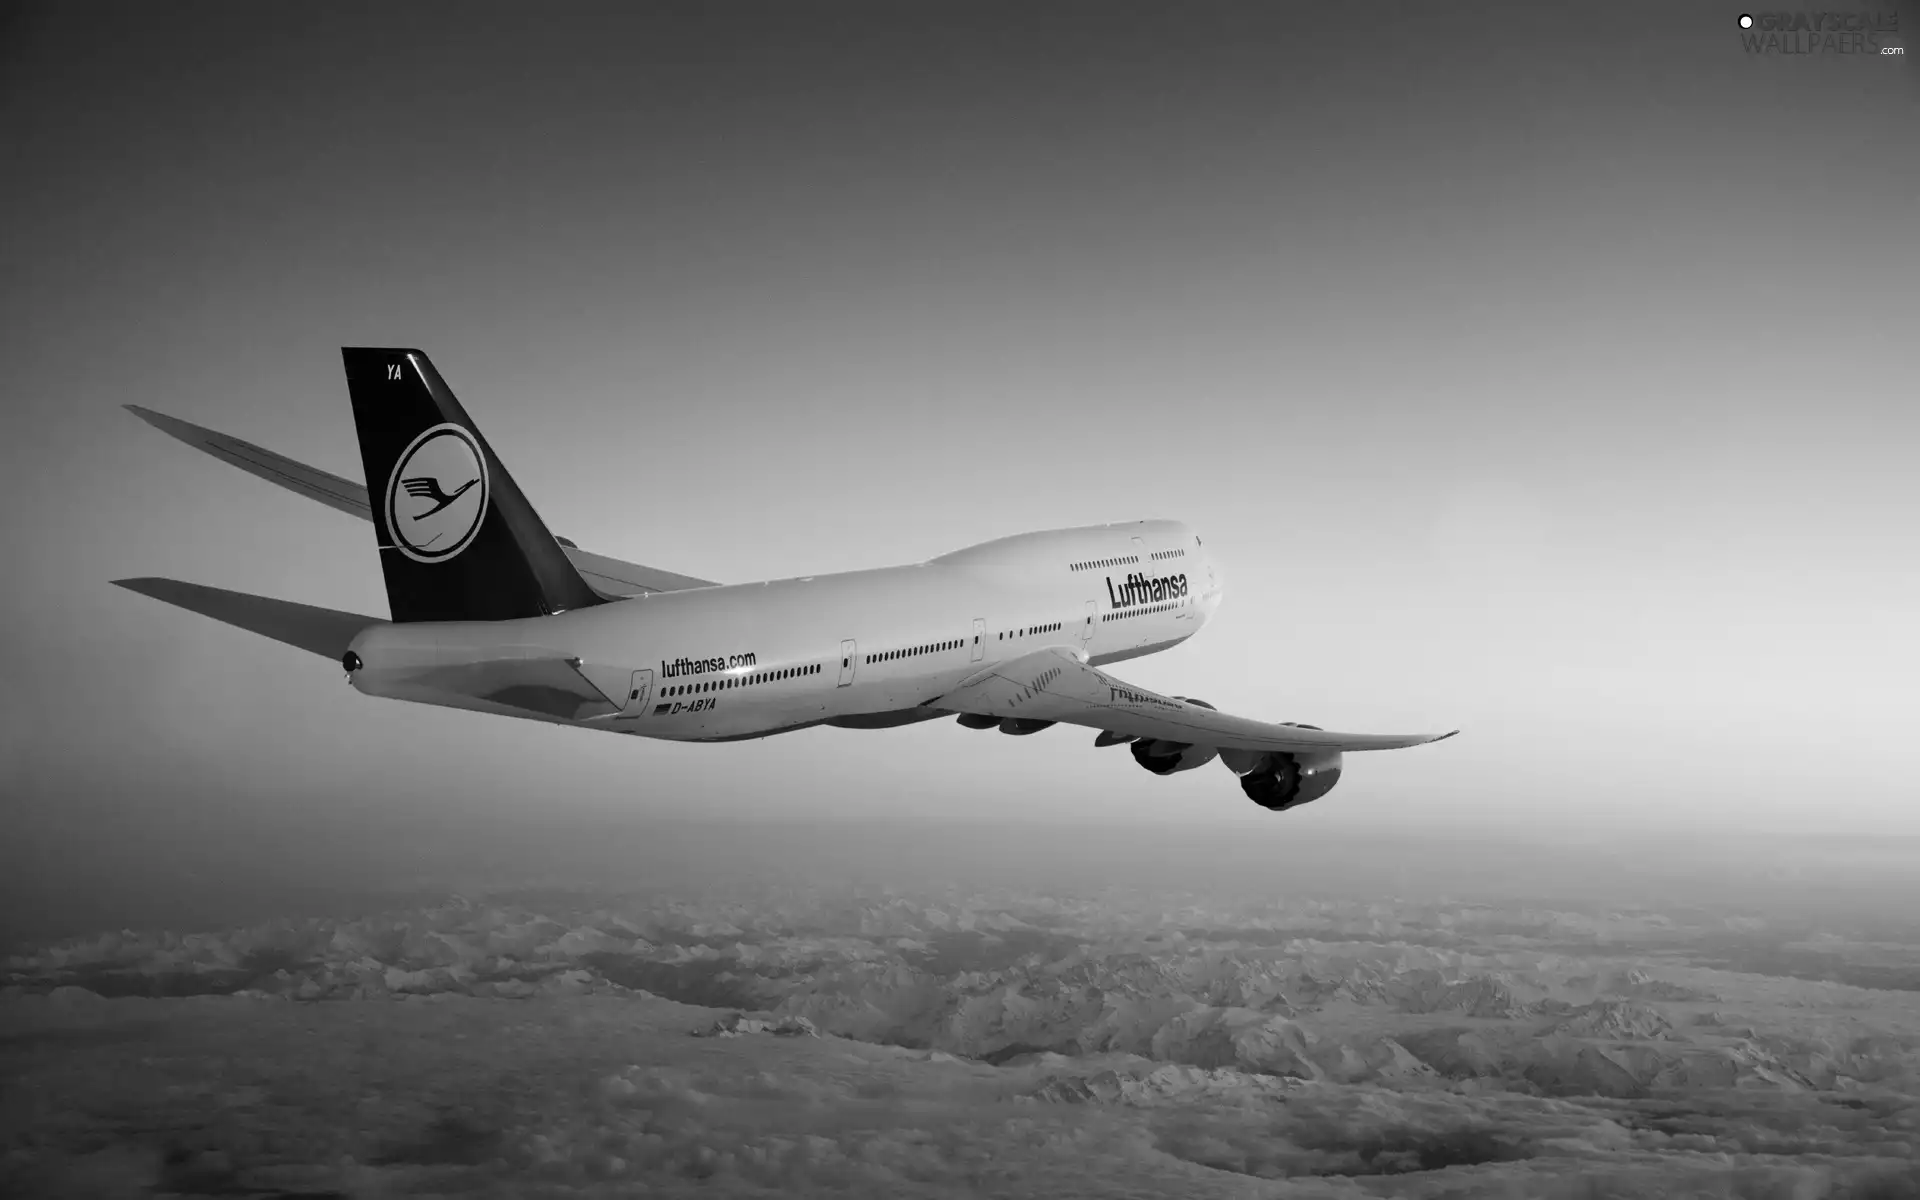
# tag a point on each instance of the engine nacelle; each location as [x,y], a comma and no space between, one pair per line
[1021,726]
[1280,780]
[1168,758]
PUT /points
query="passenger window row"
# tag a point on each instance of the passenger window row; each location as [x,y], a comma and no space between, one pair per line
[729,682]
[1140,612]
[1160,554]
[1098,563]
[910,651]
[1009,634]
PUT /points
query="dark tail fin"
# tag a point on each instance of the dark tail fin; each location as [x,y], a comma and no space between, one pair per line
[458,540]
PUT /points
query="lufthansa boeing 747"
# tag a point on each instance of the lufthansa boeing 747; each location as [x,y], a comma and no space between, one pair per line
[491,612]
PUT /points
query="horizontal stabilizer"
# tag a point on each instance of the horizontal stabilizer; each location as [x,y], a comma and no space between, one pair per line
[322,631]
[608,576]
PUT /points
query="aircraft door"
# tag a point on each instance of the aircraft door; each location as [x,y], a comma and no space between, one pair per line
[639,691]
[979,638]
[849,651]
[1086,627]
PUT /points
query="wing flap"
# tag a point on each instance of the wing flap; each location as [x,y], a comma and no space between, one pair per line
[1054,685]
[610,576]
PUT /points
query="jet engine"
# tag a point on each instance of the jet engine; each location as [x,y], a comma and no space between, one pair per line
[1279,780]
[1163,757]
[1020,726]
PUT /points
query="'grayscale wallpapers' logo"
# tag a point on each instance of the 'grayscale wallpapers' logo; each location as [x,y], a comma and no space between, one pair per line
[437,494]
[1856,32]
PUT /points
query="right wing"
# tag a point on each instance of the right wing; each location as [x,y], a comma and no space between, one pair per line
[608,575]
[1054,685]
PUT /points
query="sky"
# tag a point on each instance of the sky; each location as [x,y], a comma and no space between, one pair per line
[1539,371]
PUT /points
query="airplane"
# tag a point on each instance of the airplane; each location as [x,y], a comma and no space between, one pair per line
[493,613]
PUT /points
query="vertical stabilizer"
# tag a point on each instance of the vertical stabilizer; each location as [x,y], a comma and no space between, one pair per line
[458,540]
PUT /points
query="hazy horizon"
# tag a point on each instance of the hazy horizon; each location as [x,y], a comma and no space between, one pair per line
[236,867]
[1534,374]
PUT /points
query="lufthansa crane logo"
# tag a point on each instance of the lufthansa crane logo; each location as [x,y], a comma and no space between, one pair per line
[437,494]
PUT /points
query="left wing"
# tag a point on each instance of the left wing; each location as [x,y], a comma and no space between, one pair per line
[1054,685]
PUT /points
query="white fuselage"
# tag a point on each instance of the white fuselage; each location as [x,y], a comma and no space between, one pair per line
[859,648]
